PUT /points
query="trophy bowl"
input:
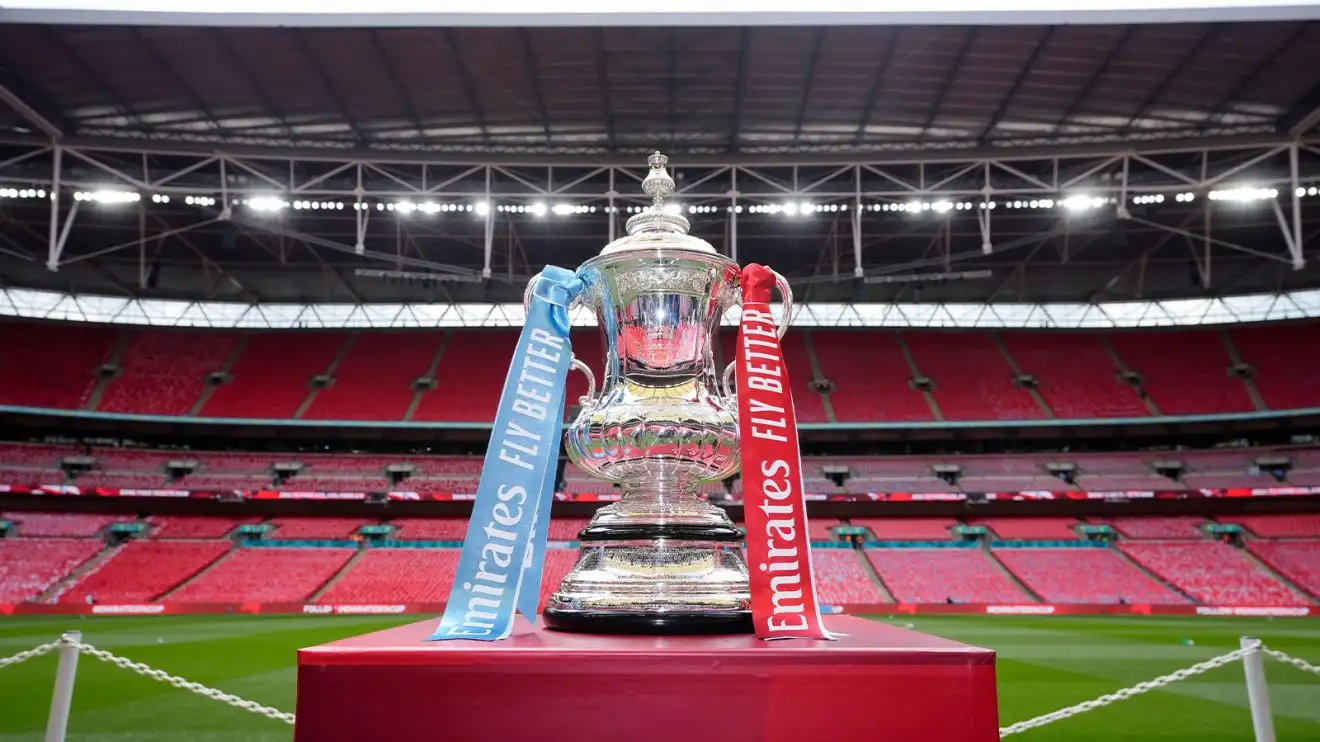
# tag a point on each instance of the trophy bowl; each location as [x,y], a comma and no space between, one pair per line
[662,559]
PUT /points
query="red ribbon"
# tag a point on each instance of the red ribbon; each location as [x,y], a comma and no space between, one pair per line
[784,604]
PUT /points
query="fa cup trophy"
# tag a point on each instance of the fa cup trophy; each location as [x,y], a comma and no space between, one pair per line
[662,559]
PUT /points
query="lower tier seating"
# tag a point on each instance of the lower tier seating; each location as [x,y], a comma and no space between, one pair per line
[1084,576]
[142,570]
[1298,561]
[1030,529]
[907,529]
[842,578]
[1146,527]
[558,563]
[1279,526]
[195,526]
[1212,572]
[430,529]
[396,576]
[944,575]
[315,528]
[60,524]
[29,566]
[265,575]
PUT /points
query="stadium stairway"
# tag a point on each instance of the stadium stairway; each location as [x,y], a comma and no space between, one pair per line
[337,576]
[198,574]
[1279,575]
[1010,574]
[869,567]
[1152,575]
[52,594]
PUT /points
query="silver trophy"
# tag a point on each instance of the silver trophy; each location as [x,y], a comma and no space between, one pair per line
[662,559]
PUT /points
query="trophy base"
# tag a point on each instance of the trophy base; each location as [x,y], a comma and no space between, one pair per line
[653,624]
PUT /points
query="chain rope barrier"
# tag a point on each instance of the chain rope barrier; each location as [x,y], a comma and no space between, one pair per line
[181,683]
[1021,726]
[1126,693]
[1285,658]
[28,654]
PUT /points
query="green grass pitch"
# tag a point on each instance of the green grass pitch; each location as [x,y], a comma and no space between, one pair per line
[1044,663]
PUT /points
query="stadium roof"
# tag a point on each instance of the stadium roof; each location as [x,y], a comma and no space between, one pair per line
[479,154]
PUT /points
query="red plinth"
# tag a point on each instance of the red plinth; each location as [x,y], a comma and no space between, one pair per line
[878,682]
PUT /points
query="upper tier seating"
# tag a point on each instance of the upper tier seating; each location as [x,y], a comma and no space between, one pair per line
[304,483]
[907,529]
[51,365]
[264,574]
[1298,561]
[870,377]
[1078,378]
[143,570]
[396,576]
[1286,358]
[196,526]
[1212,572]
[973,380]
[61,524]
[430,529]
[842,578]
[566,529]
[273,373]
[165,371]
[1084,576]
[807,402]
[374,380]
[1166,527]
[29,566]
[469,378]
[315,528]
[822,529]
[1030,529]
[938,575]
[1185,372]
[1278,526]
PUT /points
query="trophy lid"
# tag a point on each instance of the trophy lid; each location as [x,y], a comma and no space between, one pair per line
[658,227]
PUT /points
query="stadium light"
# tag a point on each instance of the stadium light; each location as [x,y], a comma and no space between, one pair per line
[562,209]
[105,196]
[1244,194]
[538,209]
[272,203]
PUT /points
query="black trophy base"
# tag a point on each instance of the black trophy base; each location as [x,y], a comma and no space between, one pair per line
[650,624]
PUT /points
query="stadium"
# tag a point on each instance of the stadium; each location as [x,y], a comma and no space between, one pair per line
[1054,348]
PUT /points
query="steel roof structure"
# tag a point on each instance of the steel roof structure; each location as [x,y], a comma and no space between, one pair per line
[870,164]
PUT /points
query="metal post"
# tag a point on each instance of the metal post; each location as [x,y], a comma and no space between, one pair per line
[1258,692]
[489,244]
[857,223]
[52,258]
[1294,192]
[62,699]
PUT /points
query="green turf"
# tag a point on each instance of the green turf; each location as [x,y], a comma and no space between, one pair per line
[1044,663]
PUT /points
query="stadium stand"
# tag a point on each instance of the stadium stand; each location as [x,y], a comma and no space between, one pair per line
[1212,572]
[1278,526]
[973,380]
[806,400]
[374,379]
[822,529]
[1184,372]
[271,378]
[907,529]
[265,574]
[558,562]
[1298,561]
[842,578]
[429,529]
[1078,378]
[396,576]
[164,371]
[469,378]
[29,566]
[51,365]
[1030,529]
[566,529]
[1084,576]
[196,526]
[1285,358]
[315,528]
[60,524]
[142,570]
[870,379]
[1157,527]
[960,575]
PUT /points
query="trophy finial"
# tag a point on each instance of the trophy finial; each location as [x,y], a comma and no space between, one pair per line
[657,184]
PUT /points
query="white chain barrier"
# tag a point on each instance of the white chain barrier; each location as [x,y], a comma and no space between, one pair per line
[1250,647]
[178,682]
[28,654]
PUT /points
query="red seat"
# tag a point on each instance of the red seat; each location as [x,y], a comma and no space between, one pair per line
[937,575]
[1212,572]
[28,566]
[264,575]
[143,570]
[1084,576]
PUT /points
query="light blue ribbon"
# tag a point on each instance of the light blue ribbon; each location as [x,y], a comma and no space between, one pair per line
[499,572]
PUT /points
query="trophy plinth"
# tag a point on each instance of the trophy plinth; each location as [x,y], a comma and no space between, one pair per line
[662,559]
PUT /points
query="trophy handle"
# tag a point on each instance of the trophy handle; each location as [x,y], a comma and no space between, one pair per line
[590,396]
[786,299]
